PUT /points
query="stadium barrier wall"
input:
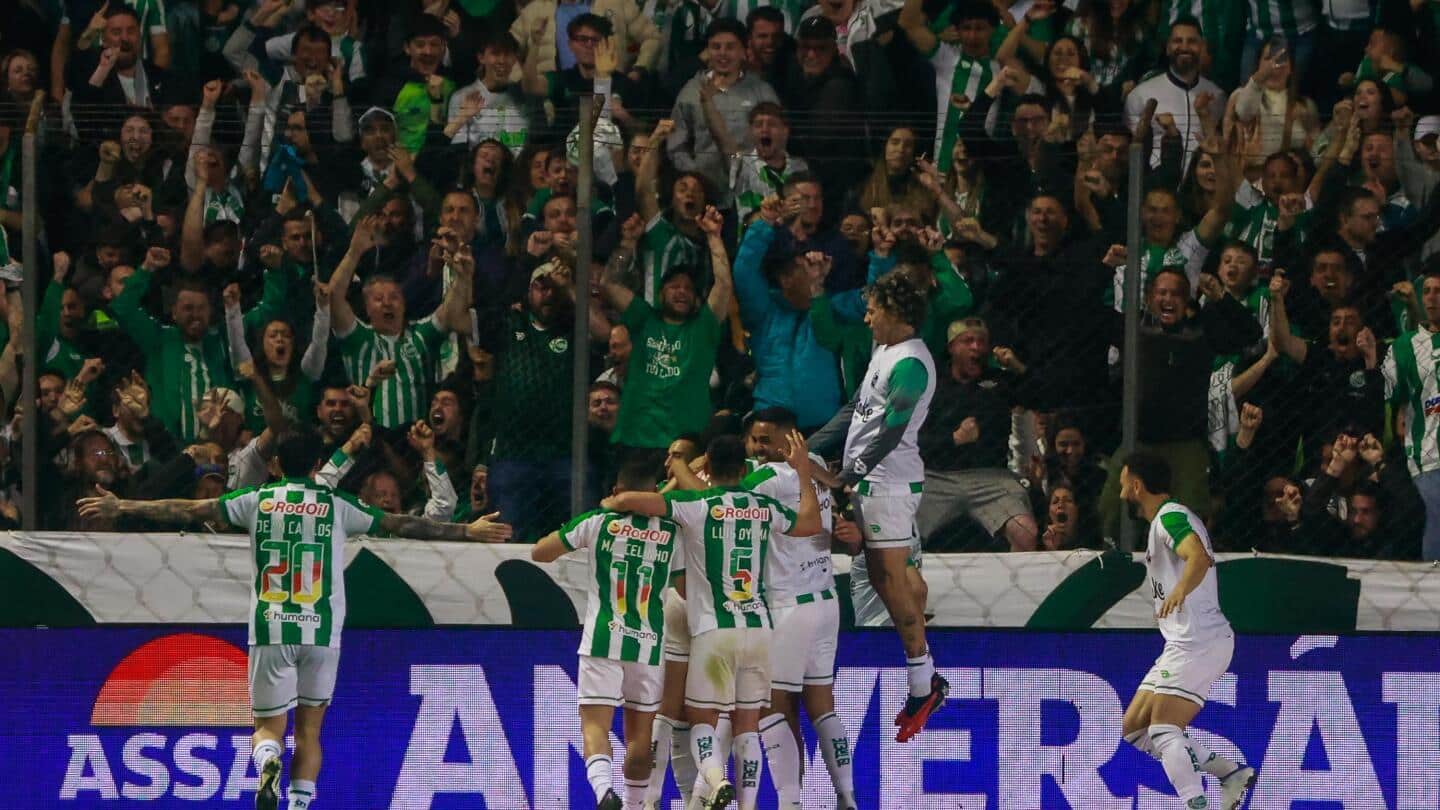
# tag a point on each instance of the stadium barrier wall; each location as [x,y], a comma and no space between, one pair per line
[72,579]
[151,715]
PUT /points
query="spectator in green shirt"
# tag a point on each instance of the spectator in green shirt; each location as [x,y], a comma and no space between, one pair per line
[667,390]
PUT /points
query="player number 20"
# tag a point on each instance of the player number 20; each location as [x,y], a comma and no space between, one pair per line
[289,561]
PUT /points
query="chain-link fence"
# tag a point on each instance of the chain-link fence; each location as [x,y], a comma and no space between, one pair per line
[1021,239]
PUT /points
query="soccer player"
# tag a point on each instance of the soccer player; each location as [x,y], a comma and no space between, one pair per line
[297,532]
[632,561]
[800,587]
[1198,639]
[727,532]
[882,466]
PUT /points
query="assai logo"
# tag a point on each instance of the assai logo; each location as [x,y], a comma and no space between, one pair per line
[272,506]
[157,730]
[621,530]
[723,512]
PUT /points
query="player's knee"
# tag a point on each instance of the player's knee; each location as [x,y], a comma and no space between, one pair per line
[1022,533]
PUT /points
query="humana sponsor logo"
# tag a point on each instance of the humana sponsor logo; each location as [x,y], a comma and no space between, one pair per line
[740,513]
[625,531]
[272,506]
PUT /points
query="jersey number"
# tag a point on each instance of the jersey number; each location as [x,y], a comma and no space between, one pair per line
[741,581]
[644,582]
[293,560]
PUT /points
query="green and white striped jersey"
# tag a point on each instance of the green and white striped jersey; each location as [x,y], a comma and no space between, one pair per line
[632,559]
[796,565]
[1290,18]
[663,247]
[298,530]
[752,180]
[1254,220]
[1200,618]
[1412,380]
[402,399]
[955,75]
[726,533]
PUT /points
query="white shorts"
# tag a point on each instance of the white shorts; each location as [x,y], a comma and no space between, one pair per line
[282,675]
[677,627]
[729,669]
[802,652]
[888,521]
[606,682]
[1189,671]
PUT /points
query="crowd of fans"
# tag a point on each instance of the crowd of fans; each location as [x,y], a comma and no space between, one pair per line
[361,216]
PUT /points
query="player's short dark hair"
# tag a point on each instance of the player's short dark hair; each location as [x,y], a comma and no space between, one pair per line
[768,14]
[895,292]
[424,25]
[783,418]
[594,22]
[727,25]
[726,454]
[1152,470]
[299,452]
[638,474]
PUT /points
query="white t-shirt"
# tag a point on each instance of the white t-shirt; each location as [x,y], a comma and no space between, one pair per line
[1199,619]
[795,565]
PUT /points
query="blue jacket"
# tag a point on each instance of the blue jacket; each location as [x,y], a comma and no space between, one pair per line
[792,369]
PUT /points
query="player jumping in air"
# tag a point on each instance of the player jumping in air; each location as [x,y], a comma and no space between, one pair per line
[297,532]
[727,532]
[632,560]
[882,465]
[800,588]
[1198,639]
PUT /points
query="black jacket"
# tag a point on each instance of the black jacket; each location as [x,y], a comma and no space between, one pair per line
[1175,367]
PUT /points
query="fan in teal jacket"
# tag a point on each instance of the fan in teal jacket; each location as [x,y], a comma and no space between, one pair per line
[793,370]
[950,299]
[183,359]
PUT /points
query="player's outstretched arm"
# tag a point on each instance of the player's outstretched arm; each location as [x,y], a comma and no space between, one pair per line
[807,517]
[638,503]
[107,506]
[549,549]
[1197,562]
[484,530]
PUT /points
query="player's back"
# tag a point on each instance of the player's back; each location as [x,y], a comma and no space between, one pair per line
[727,533]
[1199,618]
[902,466]
[298,530]
[794,565]
[631,561]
